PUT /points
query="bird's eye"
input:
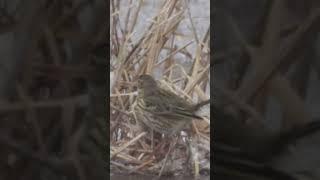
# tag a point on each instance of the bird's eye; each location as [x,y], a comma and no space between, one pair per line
[140,82]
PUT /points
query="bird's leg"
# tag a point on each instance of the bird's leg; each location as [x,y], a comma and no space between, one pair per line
[188,149]
[172,145]
[155,146]
[152,140]
[163,144]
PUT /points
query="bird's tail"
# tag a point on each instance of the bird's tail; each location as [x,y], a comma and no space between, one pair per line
[200,104]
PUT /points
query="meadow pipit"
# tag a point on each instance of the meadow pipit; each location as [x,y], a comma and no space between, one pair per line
[161,110]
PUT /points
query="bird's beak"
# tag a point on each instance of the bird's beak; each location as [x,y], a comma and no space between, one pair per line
[135,84]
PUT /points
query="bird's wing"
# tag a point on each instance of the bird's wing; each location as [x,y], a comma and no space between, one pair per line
[169,105]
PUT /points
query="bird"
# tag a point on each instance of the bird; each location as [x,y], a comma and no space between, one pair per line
[161,110]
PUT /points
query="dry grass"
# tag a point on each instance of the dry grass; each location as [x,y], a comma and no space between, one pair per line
[156,52]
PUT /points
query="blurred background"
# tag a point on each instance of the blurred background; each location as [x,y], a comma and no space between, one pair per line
[53,89]
[266,84]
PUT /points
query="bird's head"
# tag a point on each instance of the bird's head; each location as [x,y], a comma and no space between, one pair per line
[146,82]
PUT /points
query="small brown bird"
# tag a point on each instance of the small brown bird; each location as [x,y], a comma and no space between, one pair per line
[162,110]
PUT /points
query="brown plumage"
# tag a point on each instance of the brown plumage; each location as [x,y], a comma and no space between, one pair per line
[162,110]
